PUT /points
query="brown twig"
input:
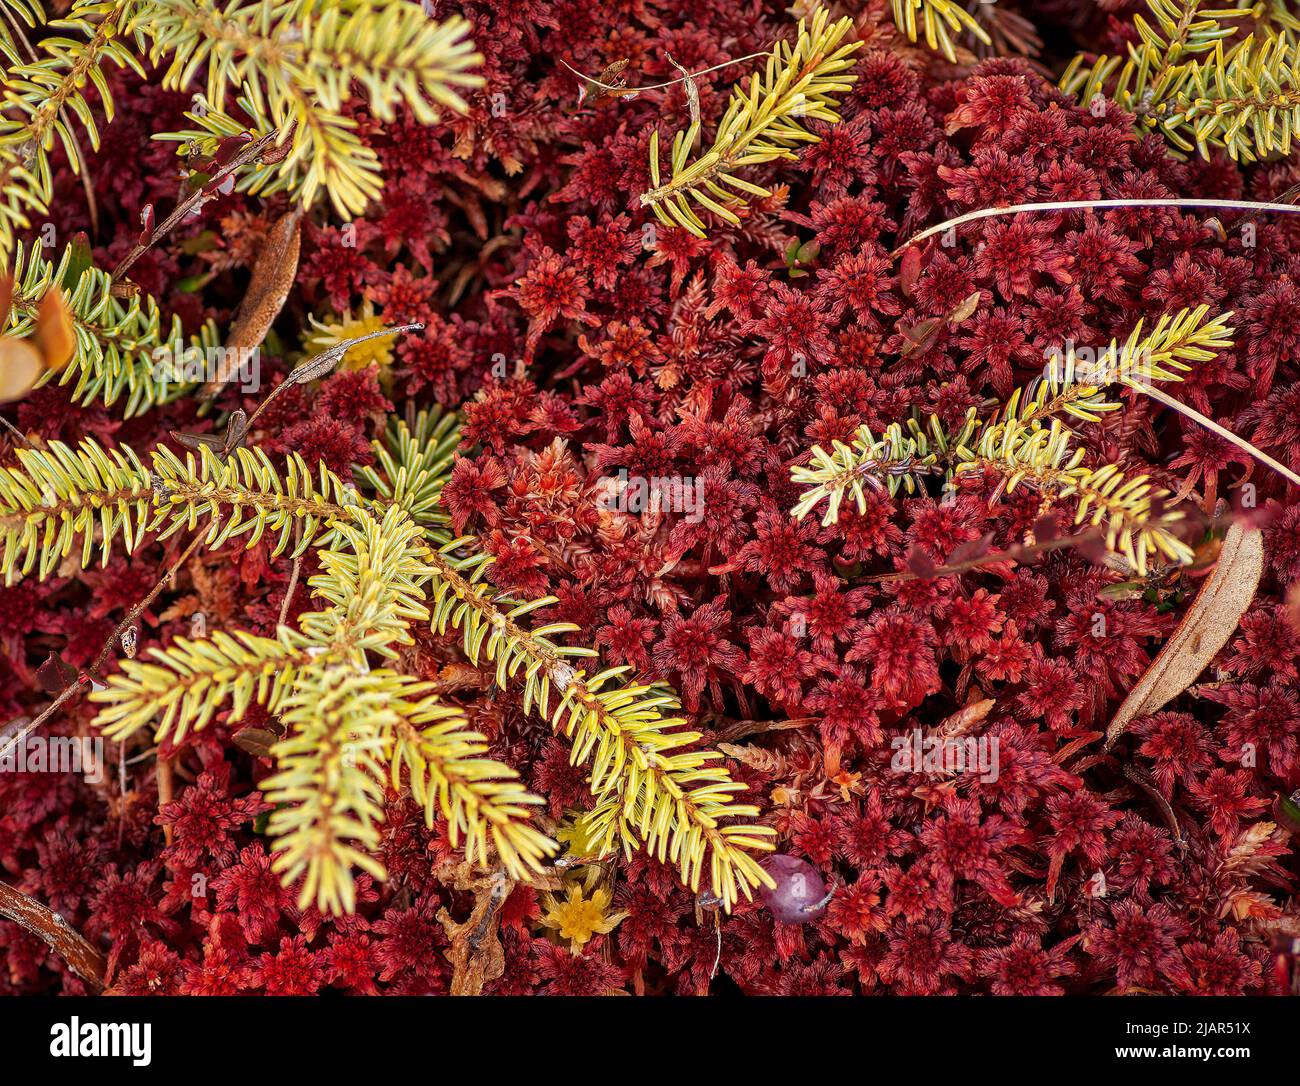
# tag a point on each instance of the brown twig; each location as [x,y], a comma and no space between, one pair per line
[1140,778]
[164,778]
[92,673]
[17,433]
[1012,554]
[293,577]
[253,150]
[623,91]
[56,933]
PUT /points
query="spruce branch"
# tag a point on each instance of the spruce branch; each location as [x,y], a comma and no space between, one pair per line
[938,20]
[14,15]
[896,460]
[1130,509]
[1181,78]
[657,792]
[293,67]
[1026,442]
[761,124]
[387,561]
[41,97]
[124,347]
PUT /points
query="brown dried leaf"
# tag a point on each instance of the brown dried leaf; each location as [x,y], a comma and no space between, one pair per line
[272,279]
[256,741]
[55,337]
[55,674]
[688,84]
[965,309]
[965,718]
[1205,629]
[765,761]
[20,366]
[476,954]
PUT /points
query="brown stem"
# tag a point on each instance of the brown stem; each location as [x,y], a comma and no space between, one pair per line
[1011,554]
[33,917]
[17,433]
[293,578]
[164,777]
[140,607]
[1088,205]
[255,149]
[94,670]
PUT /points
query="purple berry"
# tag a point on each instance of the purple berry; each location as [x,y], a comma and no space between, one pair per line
[799,894]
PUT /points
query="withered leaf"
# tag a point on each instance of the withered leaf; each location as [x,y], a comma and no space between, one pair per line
[476,954]
[920,563]
[688,84]
[966,717]
[273,276]
[256,741]
[198,441]
[318,365]
[20,366]
[55,674]
[1204,630]
[55,336]
[909,271]
[964,309]
[765,761]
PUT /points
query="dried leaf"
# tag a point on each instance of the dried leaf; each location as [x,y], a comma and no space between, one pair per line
[765,761]
[256,741]
[198,441]
[318,365]
[965,718]
[1205,629]
[909,271]
[476,954]
[965,309]
[688,84]
[55,337]
[273,277]
[20,366]
[55,674]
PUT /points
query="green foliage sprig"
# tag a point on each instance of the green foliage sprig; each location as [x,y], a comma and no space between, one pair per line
[1026,443]
[293,65]
[1183,79]
[760,124]
[124,349]
[938,21]
[14,15]
[41,98]
[388,561]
